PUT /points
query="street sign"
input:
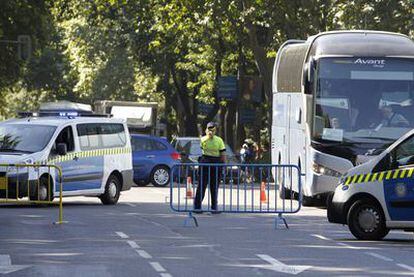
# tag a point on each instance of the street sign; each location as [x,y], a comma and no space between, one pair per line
[205,109]
[228,88]
[247,115]
[251,88]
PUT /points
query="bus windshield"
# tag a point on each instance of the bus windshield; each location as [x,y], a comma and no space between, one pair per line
[24,138]
[363,99]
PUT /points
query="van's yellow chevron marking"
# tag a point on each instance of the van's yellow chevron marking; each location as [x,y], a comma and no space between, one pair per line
[379,176]
[88,154]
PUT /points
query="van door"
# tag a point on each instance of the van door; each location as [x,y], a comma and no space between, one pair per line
[89,174]
[399,185]
[69,162]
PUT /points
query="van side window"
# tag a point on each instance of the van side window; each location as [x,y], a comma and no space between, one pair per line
[404,153]
[102,135]
[113,135]
[88,136]
[66,136]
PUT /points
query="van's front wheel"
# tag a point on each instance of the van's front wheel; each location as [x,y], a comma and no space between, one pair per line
[112,191]
[366,220]
[41,190]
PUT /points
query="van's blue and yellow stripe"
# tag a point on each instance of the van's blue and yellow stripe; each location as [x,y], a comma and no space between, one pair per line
[88,154]
[379,176]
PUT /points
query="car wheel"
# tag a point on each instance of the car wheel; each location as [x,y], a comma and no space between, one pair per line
[366,220]
[41,191]
[160,176]
[112,191]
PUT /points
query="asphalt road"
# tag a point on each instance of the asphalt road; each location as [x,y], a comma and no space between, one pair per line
[141,236]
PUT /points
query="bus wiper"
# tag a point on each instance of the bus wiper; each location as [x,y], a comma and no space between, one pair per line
[345,142]
[379,138]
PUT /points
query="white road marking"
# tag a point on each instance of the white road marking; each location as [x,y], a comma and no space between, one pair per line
[410,268]
[130,204]
[6,266]
[381,257]
[278,266]
[5,260]
[320,237]
[349,246]
[122,235]
[157,266]
[144,254]
[133,244]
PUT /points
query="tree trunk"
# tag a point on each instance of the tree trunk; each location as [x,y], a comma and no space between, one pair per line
[214,111]
[265,67]
[184,108]
[230,120]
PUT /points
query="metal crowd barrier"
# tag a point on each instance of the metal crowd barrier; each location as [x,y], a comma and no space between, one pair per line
[28,183]
[241,188]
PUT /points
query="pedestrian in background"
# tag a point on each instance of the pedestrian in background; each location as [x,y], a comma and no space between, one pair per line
[214,152]
[252,146]
[245,154]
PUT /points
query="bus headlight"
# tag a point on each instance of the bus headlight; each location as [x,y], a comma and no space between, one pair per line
[323,170]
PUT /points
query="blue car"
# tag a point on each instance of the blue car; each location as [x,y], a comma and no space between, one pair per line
[152,159]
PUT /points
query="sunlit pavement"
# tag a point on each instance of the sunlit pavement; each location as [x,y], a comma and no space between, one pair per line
[142,237]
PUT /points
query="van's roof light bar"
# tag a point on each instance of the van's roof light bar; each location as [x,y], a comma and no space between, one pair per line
[68,114]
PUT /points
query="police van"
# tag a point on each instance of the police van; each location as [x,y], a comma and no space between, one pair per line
[378,195]
[93,153]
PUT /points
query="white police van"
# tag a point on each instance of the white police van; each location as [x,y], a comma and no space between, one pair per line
[378,195]
[94,155]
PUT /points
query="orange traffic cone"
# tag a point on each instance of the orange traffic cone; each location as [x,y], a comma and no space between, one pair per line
[189,188]
[263,198]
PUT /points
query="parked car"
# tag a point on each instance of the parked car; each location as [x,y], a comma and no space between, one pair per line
[190,150]
[152,158]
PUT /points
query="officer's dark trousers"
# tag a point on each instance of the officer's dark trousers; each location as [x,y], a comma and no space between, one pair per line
[208,176]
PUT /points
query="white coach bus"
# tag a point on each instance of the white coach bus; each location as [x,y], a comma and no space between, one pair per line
[339,98]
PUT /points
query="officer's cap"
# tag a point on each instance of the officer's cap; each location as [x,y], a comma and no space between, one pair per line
[211,125]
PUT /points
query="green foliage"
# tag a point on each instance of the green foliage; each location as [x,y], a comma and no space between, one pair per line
[170,52]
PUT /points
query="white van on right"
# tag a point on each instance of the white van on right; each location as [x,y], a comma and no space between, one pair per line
[378,196]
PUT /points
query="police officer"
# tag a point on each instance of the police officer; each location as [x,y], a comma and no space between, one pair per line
[213,150]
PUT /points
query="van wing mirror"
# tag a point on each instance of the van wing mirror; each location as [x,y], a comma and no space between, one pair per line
[384,164]
[393,160]
[62,149]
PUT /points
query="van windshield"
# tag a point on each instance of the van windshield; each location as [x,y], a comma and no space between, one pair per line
[24,138]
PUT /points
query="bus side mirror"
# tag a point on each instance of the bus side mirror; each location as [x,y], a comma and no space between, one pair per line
[308,76]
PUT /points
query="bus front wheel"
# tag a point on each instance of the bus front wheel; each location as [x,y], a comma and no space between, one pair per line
[366,220]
